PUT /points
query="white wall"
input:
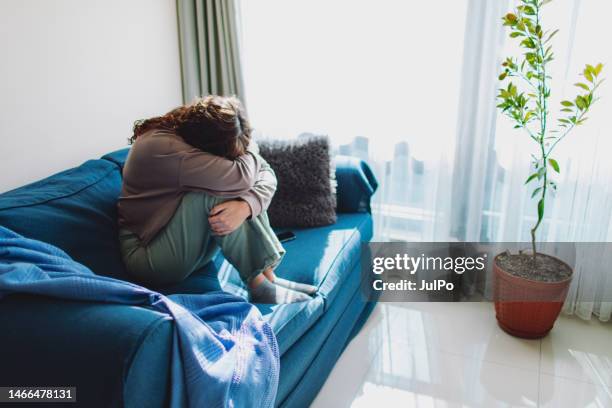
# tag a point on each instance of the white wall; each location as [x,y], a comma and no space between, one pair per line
[75,74]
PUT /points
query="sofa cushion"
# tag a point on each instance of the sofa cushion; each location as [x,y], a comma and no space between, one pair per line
[74,210]
[325,257]
[306,191]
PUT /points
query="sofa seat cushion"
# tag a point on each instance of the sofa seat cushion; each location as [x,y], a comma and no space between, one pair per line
[75,210]
[324,257]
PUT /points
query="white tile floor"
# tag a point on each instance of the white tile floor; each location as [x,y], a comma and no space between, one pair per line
[454,355]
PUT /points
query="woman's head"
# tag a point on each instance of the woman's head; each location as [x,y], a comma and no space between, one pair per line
[214,124]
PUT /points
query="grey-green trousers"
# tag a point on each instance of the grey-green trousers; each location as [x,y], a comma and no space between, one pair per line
[186,244]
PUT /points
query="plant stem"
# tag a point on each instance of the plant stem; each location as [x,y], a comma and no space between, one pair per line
[543,116]
[535,227]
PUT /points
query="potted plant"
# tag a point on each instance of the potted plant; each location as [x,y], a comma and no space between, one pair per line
[530,288]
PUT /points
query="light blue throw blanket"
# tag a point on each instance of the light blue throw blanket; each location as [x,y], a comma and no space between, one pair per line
[224,353]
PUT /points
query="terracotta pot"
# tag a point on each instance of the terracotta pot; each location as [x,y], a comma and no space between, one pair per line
[527,308]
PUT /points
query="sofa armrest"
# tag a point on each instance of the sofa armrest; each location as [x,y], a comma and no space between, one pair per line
[115,355]
[118,157]
[356,184]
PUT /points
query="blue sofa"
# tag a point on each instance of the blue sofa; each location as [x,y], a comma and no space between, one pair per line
[120,355]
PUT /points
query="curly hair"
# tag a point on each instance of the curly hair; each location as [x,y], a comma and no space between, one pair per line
[214,124]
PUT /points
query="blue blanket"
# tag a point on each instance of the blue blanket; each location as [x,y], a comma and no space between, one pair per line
[224,353]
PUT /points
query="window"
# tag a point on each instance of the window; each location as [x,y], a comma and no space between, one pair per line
[377,77]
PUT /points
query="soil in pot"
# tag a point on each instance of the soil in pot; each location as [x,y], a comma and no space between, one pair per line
[544,269]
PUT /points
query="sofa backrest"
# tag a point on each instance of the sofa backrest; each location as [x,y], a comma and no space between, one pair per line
[75,210]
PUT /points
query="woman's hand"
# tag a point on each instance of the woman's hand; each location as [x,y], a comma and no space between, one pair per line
[226,217]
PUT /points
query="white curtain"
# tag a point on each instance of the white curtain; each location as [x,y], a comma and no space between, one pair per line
[410,87]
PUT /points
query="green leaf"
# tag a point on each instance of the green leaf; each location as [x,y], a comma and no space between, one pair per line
[503,76]
[540,209]
[588,75]
[598,68]
[551,35]
[583,86]
[529,10]
[548,50]
[553,163]
[536,191]
[567,103]
[581,121]
[534,175]
[513,90]
[528,43]
[590,68]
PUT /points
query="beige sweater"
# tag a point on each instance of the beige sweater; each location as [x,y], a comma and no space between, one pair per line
[161,168]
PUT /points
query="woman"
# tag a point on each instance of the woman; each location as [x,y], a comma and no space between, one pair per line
[192,184]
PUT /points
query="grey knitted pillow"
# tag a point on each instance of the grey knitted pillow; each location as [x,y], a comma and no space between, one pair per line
[305,196]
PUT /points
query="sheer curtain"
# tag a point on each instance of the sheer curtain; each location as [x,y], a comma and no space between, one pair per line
[410,87]
[381,79]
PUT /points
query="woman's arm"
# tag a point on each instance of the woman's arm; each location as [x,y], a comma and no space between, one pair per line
[229,215]
[262,192]
[201,170]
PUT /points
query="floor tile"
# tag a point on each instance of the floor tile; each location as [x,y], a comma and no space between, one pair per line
[557,392]
[579,350]
[468,329]
[403,376]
